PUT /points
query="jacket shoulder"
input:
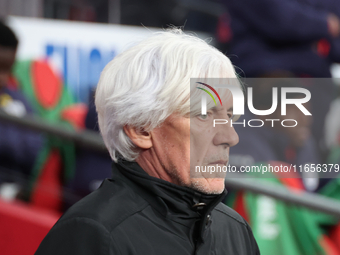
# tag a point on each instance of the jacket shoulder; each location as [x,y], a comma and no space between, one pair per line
[229,221]
[76,236]
[226,211]
[109,206]
[87,226]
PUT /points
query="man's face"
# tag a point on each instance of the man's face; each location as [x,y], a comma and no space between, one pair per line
[181,143]
[7,58]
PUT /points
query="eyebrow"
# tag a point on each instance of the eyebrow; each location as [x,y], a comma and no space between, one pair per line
[231,109]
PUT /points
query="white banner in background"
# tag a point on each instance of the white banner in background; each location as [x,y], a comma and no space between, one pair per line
[77,50]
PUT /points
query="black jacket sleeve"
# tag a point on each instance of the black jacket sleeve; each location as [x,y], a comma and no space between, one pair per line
[76,236]
[255,247]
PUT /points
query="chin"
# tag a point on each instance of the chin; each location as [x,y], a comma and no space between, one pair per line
[211,186]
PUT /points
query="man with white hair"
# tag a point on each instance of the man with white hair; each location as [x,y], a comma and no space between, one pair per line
[153,204]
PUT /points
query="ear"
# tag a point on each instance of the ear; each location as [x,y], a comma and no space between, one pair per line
[139,137]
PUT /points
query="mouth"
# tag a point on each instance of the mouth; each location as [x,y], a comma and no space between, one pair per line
[219,162]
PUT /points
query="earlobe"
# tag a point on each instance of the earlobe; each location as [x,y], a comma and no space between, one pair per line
[139,137]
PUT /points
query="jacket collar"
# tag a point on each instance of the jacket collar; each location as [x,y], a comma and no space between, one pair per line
[172,201]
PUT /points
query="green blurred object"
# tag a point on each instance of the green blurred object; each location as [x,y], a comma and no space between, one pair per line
[285,229]
[49,97]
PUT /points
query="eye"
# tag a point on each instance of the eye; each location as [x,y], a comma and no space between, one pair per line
[204,117]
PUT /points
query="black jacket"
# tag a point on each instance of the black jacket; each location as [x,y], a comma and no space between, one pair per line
[133,213]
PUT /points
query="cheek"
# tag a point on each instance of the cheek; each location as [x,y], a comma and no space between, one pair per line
[201,139]
[173,145]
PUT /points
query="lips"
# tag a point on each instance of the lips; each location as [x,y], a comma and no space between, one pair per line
[219,162]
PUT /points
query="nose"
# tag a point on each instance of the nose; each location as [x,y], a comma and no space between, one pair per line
[226,135]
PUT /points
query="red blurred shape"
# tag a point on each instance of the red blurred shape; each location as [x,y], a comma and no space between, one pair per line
[75,114]
[329,246]
[23,227]
[323,47]
[240,205]
[47,85]
[290,179]
[47,192]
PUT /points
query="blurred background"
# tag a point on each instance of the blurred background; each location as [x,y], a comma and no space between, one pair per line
[51,154]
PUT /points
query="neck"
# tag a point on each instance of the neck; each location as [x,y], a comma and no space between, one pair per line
[151,164]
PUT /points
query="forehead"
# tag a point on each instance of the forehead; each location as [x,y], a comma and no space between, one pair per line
[214,93]
[225,95]
[230,93]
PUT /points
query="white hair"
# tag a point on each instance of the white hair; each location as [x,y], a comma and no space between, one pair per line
[147,83]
